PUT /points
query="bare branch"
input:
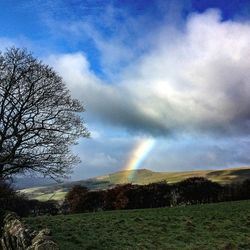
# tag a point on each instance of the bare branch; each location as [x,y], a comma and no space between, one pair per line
[38,118]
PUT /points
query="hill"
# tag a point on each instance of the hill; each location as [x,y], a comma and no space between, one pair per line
[207,226]
[30,182]
[141,176]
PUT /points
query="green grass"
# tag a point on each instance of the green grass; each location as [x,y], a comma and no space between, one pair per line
[141,176]
[212,226]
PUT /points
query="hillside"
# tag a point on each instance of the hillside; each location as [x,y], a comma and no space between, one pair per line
[30,182]
[141,176]
[207,226]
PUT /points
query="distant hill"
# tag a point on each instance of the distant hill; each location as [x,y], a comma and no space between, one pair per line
[141,176]
[29,182]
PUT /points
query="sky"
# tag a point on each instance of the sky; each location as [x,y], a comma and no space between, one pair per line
[173,74]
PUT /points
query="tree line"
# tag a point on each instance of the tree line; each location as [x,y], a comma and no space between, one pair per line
[194,190]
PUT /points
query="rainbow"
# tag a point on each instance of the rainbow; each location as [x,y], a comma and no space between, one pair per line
[138,155]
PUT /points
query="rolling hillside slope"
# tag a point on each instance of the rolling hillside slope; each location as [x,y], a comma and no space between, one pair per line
[141,176]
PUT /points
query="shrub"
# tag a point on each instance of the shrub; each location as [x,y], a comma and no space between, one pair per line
[116,198]
[74,198]
[92,201]
[11,200]
[197,190]
[149,196]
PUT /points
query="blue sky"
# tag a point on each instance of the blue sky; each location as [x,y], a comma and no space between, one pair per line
[176,71]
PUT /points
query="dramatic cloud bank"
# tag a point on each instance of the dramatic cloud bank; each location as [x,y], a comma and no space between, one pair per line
[172,70]
[192,81]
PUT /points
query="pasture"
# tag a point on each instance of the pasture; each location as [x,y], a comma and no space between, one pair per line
[224,226]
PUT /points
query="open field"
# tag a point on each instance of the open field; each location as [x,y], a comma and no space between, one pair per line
[142,176]
[224,226]
[43,194]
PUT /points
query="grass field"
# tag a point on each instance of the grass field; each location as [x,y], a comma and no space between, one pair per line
[224,226]
[141,176]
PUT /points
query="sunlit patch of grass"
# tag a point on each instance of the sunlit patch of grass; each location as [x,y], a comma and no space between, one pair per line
[57,196]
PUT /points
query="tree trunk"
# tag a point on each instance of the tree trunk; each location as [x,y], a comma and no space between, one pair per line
[1,171]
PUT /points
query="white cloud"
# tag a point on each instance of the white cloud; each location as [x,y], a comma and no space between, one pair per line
[197,80]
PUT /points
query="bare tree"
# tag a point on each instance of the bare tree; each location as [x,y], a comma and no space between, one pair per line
[38,118]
